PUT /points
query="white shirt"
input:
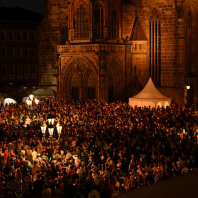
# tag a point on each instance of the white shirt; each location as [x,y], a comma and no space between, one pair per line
[34,155]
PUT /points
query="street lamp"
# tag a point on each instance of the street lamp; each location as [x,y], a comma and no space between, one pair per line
[51,127]
[36,101]
[43,129]
[31,96]
[51,130]
[29,102]
[51,119]
[59,129]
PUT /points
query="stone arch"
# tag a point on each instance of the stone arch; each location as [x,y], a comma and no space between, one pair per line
[166,104]
[159,104]
[86,60]
[79,79]
[77,4]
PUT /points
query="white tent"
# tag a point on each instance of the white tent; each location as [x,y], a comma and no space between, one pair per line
[150,96]
[8,101]
[44,93]
[24,100]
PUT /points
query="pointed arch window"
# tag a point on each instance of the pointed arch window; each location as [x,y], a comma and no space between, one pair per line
[98,31]
[81,23]
[113,25]
[155,50]
[189,43]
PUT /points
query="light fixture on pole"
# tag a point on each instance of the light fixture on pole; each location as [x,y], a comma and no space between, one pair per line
[43,129]
[29,102]
[51,130]
[36,101]
[31,96]
[59,129]
[188,87]
[50,119]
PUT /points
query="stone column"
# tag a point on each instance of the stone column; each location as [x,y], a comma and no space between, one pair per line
[103,79]
[180,48]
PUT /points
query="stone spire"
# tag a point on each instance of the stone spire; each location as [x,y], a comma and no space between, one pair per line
[137,33]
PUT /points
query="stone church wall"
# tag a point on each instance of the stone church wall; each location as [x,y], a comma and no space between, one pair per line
[178,47]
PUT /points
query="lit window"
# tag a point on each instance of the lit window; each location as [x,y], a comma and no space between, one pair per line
[98,31]
[81,26]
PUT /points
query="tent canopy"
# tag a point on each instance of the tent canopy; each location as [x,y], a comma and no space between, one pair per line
[44,93]
[24,100]
[8,101]
[150,96]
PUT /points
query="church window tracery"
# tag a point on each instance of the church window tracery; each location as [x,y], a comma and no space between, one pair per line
[113,25]
[81,23]
[155,49]
[98,30]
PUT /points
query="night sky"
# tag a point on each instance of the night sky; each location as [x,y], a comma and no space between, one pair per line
[33,5]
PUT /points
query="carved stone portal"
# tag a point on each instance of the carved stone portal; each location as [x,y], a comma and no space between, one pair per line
[83,78]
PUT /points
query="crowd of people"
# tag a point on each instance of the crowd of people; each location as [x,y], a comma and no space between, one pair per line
[104,150]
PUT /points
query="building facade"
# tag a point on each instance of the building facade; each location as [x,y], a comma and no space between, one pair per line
[18,47]
[108,49]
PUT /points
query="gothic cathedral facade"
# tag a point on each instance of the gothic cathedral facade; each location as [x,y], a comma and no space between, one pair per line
[107,49]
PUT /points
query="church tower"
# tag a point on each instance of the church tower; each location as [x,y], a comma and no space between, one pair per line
[108,49]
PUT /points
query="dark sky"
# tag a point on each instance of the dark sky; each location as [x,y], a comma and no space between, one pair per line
[33,5]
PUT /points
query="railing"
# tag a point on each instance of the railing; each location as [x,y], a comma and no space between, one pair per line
[91,48]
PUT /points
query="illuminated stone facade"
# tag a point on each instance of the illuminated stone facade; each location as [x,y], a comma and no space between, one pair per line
[108,49]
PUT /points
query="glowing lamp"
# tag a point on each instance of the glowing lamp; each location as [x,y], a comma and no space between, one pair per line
[29,102]
[43,129]
[36,101]
[59,129]
[50,119]
[31,96]
[51,130]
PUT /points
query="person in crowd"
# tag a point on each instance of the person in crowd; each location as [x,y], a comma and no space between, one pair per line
[104,149]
